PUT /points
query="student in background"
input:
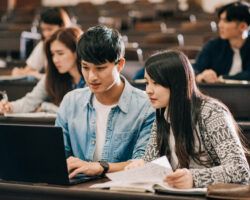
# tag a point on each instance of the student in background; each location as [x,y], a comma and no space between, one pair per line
[51,19]
[62,75]
[109,122]
[197,133]
[227,56]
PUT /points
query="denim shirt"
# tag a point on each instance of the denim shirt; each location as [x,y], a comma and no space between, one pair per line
[128,125]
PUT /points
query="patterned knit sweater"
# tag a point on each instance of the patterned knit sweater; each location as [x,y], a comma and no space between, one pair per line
[222,146]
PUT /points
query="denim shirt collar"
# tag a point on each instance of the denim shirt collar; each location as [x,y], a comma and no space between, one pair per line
[80,84]
[123,102]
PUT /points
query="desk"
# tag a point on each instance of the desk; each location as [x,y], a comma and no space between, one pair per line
[13,191]
[17,88]
[245,128]
[235,96]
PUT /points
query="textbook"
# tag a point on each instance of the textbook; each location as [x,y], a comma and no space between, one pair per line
[148,178]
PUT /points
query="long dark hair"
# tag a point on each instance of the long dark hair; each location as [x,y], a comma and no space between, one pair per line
[57,85]
[172,70]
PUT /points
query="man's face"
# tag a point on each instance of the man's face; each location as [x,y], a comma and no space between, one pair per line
[229,29]
[101,78]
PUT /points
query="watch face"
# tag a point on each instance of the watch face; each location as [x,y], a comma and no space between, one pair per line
[105,166]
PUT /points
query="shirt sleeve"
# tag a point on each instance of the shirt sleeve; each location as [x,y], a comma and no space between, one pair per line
[61,121]
[37,58]
[49,107]
[203,60]
[244,75]
[32,99]
[144,134]
[221,139]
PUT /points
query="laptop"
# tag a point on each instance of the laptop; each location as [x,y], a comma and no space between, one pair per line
[32,153]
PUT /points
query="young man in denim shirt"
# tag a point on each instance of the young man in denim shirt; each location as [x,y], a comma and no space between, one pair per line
[109,122]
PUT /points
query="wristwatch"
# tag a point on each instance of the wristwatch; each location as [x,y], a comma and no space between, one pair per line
[105,166]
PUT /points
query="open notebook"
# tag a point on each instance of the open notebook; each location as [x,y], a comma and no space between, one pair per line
[148,178]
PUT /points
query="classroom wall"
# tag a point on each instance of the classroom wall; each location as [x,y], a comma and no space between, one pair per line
[208,5]
[74,2]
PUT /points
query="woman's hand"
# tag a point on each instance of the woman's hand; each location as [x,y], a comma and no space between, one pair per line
[135,164]
[5,107]
[181,178]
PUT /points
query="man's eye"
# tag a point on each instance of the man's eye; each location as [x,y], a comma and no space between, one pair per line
[101,68]
[85,68]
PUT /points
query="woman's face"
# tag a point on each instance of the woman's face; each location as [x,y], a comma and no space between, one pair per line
[63,58]
[48,29]
[158,95]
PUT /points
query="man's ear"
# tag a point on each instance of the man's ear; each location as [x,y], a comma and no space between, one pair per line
[121,64]
[243,26]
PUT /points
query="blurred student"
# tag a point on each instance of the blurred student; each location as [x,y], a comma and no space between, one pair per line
[197,133]
[228,55]
[62,75]
[51,19]
[109,122]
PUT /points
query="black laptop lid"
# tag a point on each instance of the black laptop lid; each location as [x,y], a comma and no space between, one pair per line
[32,154]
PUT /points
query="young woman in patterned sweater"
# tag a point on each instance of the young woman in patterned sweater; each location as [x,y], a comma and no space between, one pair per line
[197,133]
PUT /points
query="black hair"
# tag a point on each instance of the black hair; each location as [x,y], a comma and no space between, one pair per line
[101,44]
[55,16]
[236,11]
[172,70]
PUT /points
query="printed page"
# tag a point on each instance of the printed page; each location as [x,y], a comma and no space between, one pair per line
[124,186]
[152,172]
[147,178]
[164,188]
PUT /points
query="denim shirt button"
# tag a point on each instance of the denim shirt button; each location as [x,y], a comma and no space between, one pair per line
[93,142]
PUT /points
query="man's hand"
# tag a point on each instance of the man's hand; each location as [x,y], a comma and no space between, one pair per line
[181,178]
[207,76]
[77,166]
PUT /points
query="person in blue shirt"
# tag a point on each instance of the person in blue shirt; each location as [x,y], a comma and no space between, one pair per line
[107,123]
[228,55]
[62,75]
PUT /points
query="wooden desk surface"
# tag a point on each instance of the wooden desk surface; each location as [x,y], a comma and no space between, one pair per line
[10,191]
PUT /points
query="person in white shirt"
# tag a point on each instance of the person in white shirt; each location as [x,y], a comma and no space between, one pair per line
[51,20]
[62,75]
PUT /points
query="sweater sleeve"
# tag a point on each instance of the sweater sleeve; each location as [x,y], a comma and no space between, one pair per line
[32,99]
[151,152]
[223,145]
